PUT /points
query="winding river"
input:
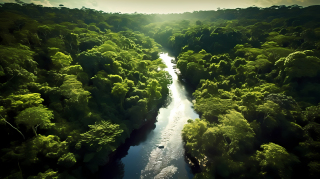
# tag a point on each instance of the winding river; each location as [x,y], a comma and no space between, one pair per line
[141,157]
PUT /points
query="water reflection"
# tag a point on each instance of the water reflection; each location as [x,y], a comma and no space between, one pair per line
[141,157]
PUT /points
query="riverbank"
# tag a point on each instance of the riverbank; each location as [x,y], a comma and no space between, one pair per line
[141,157]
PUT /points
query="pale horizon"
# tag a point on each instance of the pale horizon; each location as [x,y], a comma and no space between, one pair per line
[165,6]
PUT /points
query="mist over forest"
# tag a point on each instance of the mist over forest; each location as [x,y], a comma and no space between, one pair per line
[75,83]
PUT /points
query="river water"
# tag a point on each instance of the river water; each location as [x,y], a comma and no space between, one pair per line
[140,157]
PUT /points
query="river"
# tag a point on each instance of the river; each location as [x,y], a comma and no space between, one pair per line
[140,157]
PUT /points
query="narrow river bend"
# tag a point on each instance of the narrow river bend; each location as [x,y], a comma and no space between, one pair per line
[143,159]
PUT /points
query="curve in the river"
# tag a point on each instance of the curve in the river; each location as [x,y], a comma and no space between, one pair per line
[146,159]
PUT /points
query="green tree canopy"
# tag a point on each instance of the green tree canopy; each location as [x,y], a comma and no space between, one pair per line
[60,60]
[301,64]
[34,117]
[275,157]
[102,134]
[72,89]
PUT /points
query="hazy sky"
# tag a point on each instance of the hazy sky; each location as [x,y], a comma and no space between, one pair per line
[165,6]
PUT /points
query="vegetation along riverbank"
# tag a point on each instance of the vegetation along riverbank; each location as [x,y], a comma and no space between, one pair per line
[75,83]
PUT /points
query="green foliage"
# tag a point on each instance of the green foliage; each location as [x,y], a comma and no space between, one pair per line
[314,169]
[18,66]
[79,67]
[312,114]
[107,46]
[261,65]
[269,108]
[119,89]
[258,77]
[301,64]
[207,89]
[72,70]
[60,60]
[192,134]
[211,108]
[251,99]
[238,130]
[115,78]
[274,157]
[67,160]
[64,76]
[19,102]
[154,89]
[55,44]
[48,146]
[286,102]
[49,174]
[34,117]
[191,63]
[72,89]
[102,135]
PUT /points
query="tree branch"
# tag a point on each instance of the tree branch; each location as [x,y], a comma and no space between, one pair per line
[13,127]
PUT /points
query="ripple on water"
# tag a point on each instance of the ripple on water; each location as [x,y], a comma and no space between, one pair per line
[166,172]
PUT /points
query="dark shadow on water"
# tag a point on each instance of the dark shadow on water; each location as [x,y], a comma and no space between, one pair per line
[192,163]
[166,102]
[115,168]
[189,89]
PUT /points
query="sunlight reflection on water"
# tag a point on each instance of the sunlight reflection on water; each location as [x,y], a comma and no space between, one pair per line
[161,163]
[142,159]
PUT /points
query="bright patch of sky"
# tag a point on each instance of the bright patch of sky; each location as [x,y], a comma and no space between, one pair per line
[165,6]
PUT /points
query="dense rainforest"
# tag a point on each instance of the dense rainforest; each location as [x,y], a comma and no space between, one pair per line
[72,90]
[75,83]
[256,74]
